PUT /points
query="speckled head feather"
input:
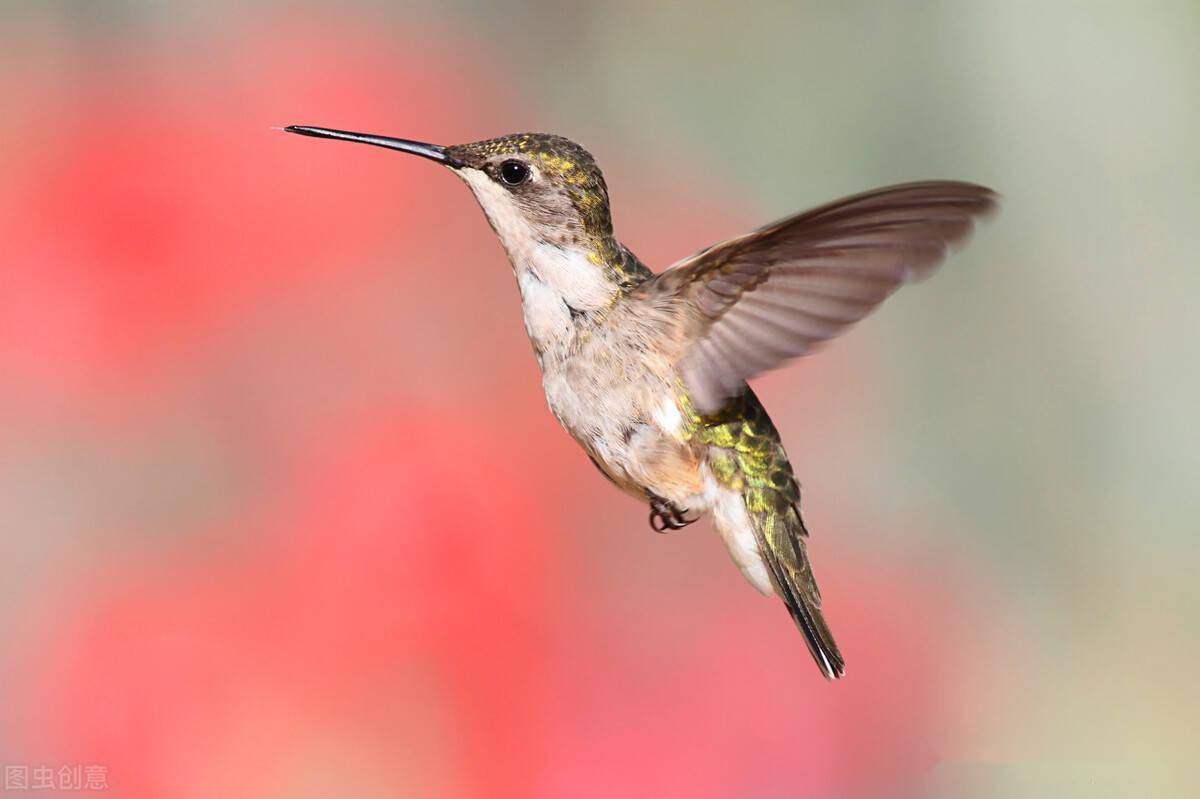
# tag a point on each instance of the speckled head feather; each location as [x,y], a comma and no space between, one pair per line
[568,166]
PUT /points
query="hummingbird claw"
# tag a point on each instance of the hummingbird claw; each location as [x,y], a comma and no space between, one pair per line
[664,516]
[659,522]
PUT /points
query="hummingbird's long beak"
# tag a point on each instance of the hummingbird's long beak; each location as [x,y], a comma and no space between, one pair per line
[434,152]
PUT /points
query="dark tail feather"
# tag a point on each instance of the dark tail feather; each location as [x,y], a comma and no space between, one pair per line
[782,546]
[811,621]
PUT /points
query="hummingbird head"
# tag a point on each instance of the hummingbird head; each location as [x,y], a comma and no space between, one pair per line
[537,190]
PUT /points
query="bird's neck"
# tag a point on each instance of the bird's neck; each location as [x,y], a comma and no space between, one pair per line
[568,276]
[562,288]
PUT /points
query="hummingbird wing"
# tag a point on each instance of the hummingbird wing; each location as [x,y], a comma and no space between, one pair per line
[752,302]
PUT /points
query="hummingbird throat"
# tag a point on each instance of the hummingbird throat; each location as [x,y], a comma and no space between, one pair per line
[564,272]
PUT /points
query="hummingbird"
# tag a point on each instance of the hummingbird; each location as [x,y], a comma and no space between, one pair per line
[648,371]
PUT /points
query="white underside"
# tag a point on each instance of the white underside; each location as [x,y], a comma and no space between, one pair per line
[554,279]
[733,523]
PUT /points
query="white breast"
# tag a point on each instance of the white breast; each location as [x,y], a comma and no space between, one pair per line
[547,318]
[582,284]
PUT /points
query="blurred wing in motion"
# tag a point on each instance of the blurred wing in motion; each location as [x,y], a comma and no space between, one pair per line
[752,302]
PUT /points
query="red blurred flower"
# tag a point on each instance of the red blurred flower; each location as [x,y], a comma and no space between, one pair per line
[151,200]
[398,597]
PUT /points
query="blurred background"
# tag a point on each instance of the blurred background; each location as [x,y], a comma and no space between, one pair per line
[282,510]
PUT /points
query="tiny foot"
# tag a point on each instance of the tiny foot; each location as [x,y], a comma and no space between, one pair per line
[665,516]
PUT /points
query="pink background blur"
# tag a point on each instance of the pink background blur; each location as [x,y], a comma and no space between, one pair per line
[282,510]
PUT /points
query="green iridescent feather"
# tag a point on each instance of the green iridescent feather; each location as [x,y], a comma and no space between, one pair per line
[746,455]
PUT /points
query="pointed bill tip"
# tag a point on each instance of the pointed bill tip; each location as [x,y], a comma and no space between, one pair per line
[305,130]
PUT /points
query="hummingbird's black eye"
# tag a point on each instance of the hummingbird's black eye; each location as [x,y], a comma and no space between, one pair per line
[514,173]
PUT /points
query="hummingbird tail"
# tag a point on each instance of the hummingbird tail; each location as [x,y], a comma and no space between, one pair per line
[780,534]
[757,511]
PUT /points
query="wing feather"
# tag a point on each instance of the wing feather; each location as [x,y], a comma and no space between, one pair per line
[751,303]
